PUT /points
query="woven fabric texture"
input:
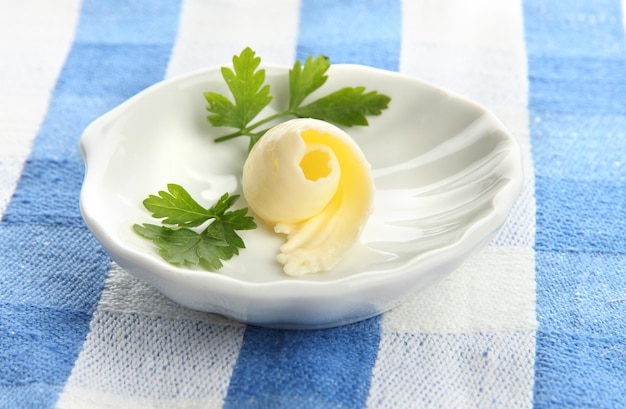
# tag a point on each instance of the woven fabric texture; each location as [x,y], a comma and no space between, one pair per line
[535,319]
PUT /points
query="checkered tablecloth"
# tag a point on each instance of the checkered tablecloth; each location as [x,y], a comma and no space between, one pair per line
[536,319]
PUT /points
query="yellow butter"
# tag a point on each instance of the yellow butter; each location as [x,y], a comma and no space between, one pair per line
[312,182]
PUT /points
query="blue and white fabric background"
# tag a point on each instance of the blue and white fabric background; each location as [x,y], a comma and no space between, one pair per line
[536,319]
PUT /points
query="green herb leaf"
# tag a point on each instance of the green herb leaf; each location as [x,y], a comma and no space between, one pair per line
[177,207]
[181,245]
[246,84]
[179,240]
[224,111]
[347,106]
[303,80]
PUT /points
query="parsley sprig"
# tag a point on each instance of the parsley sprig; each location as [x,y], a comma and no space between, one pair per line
[348,106]
[179,244]
[180,238]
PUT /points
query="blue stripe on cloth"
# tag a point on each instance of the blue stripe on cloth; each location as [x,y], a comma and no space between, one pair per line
[352,31]
[581,216]
[120,47]
[305,369]
[61,180]
[326,368]
[573,141]
[95,79]
[577,106]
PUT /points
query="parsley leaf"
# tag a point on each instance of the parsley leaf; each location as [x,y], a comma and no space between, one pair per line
[180,239]
[178,244]
[249,93]
[177,207]
[348,106]
[303,80]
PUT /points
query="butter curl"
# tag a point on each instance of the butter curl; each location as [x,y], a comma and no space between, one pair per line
[312,182]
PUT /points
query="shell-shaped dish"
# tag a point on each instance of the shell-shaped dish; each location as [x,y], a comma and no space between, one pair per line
[446,171]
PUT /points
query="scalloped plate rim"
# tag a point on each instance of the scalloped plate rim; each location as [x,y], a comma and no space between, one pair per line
[485,228]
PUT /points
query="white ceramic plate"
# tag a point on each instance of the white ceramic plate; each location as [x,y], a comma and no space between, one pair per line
[446,173]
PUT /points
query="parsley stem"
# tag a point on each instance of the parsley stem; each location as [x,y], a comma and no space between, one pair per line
[248,129]
[229,136]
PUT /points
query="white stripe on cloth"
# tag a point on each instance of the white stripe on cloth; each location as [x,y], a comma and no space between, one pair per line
[133,332]
[489,292]
[479,323]
[482,370]
[120,352]
[212,32]
[31,62]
